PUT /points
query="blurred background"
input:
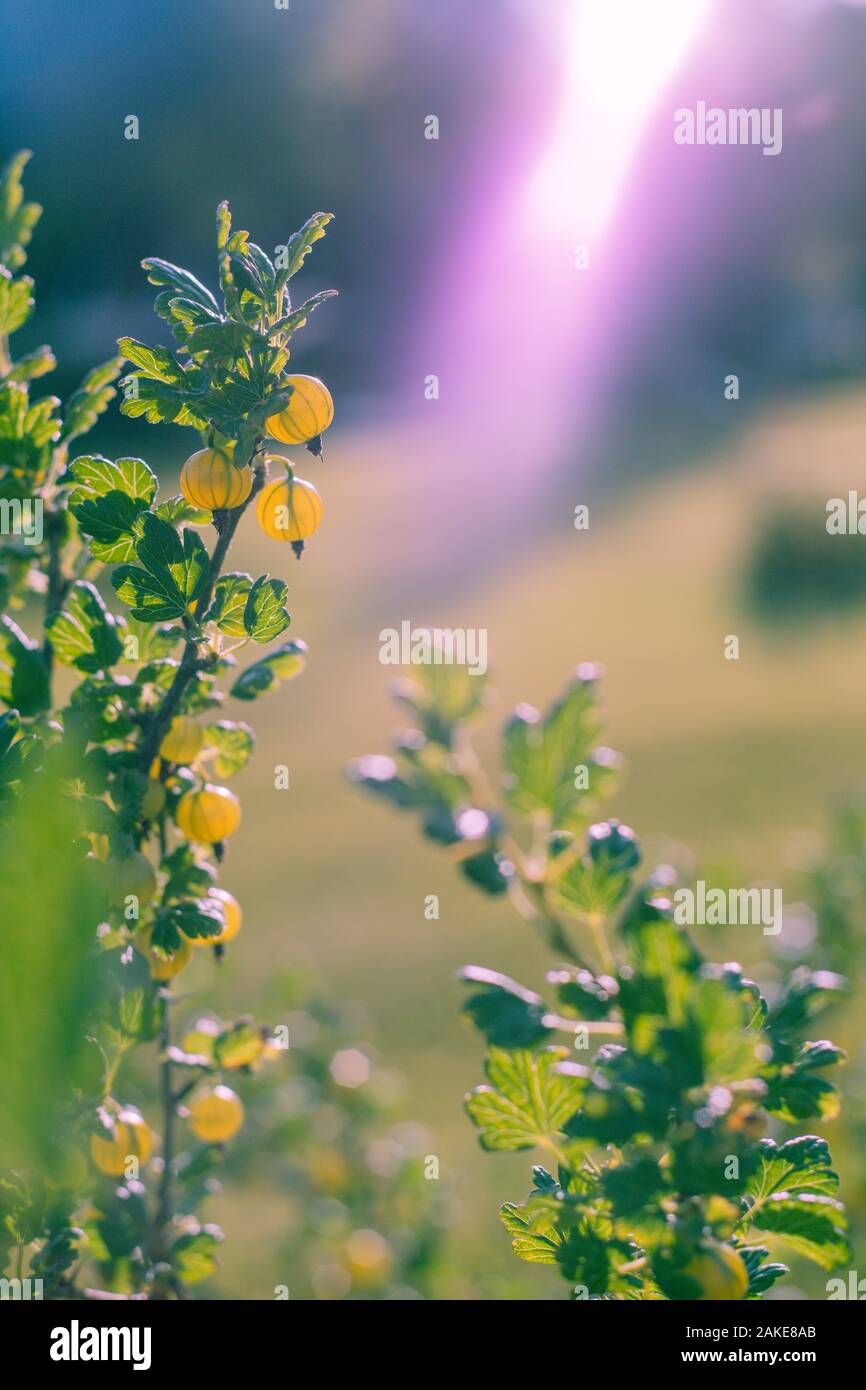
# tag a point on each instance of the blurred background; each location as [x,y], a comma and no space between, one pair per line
[580,287]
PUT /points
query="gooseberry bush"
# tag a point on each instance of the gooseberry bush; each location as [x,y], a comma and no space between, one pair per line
[114,757]
[644,1076]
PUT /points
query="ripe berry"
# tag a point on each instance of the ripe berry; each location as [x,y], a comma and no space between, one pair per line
[208,815]
[308,414]
[215,1114]
[289,509]
[129,1137]
[211,481]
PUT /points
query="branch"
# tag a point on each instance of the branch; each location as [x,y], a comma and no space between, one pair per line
[190,662]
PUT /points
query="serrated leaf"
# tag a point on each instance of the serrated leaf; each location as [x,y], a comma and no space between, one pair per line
[187,875]
[84,633]
[265,615]
[155,362]
[801,1164]
[17,218]
[160,403]
[229,603]
[90,400]
[15,749]
[265,675]
[527,1101]
[16,301]
[180,281]
[295,320]
[300,244]
[541,755]
[177,509]
[812,1224]
[173,574]
[199,919]
[111,524]
[24,681]
[797,1091]
[233,742]
[507,1014]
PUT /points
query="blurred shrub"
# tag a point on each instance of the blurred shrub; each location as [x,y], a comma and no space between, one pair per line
[797,569]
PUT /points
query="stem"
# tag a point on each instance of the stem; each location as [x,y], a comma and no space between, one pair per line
[530,900]
[164,1211]
[190,662]
[57,583]
[596,922]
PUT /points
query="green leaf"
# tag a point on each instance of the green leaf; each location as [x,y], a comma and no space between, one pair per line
[542,755]
[193,1254]
[234,744]
[15,749]
[33,364]
[187,875]
[300,245]
[507,1014]
[160,403]
[801,1164]
[806,994]
[84,633]
[534,1235]
[549,1229]
[527,1101]
[180,281]
[239,1045]
[633,1187]
[265,615]
[797,1092]
[111,524]
[488,870]
[108,499]
[95,476]
[155,362]
[199,919]
[761,1276]
[177,509]
[24,680]
[229,603]
[16,301]
[173,573]
[284,664]
[90,400]
[582,995]
[17,218]
[292,322]
[811,1223]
